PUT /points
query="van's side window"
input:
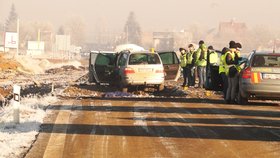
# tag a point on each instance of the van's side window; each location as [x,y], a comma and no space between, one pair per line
[122,59]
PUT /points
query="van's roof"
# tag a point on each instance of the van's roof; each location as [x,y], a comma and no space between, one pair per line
[94,51]
[140,52]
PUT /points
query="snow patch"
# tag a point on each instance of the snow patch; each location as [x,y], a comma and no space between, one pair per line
[15,139]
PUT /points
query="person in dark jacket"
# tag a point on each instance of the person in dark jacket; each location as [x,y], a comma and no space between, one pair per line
[232,73]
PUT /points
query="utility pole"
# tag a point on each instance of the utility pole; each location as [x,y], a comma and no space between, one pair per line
[17,35]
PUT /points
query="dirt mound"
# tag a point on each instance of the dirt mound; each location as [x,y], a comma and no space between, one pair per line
[76,91]
[5,91]
[8,64]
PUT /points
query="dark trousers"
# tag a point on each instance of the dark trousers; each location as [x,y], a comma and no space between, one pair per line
[215,77]
[185,75]
[191,73]
[225,83]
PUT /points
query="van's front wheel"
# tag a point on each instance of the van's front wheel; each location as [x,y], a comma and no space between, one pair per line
[123,88]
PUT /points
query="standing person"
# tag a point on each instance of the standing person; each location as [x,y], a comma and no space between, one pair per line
[222,71]
[190,65]
[212,69]
[195,59]
[201,62]
[183,64]
[231,72]
[238,49]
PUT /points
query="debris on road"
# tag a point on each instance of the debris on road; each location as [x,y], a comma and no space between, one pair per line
[73,91]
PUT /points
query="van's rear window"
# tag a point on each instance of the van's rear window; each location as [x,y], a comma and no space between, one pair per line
[143,58]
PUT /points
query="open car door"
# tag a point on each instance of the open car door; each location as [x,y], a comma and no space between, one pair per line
[171,65]
[102,67]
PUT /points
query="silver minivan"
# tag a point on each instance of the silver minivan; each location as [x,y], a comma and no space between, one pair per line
[127,69]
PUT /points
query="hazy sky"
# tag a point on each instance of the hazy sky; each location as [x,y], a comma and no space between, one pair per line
[151,14]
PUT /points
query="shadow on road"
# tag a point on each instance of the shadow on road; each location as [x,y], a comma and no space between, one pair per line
[222,121]
[249,129]
[179,110]
[201,132]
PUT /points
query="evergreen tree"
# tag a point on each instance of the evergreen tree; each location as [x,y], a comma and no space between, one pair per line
[11,22]
[132,30]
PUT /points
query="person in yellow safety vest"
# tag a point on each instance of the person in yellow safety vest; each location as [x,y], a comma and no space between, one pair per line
[195,59]
[222,71]
[190,65]
[183,64]
[231,72]
[238,53]
[238,49]
[201,62]
[212,69]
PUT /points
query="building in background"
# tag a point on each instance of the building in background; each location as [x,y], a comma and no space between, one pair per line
[171,40]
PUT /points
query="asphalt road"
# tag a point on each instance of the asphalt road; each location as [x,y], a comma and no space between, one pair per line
[158,128]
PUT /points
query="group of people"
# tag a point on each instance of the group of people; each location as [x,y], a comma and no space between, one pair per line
[205,62]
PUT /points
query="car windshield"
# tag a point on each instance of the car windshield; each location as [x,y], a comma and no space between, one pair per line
[266,61]
[143,58]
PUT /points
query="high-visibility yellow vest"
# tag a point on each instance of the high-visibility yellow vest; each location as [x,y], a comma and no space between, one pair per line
[237,66]
[190,57]
[226,65]
[238,53]
[202,62]
[213,58]
[222,64]
[183,60]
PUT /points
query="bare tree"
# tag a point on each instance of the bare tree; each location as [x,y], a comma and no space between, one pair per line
[11,22]
[132,30]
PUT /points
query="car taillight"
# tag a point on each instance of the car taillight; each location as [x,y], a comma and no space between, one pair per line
[246,73]
[128,71]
